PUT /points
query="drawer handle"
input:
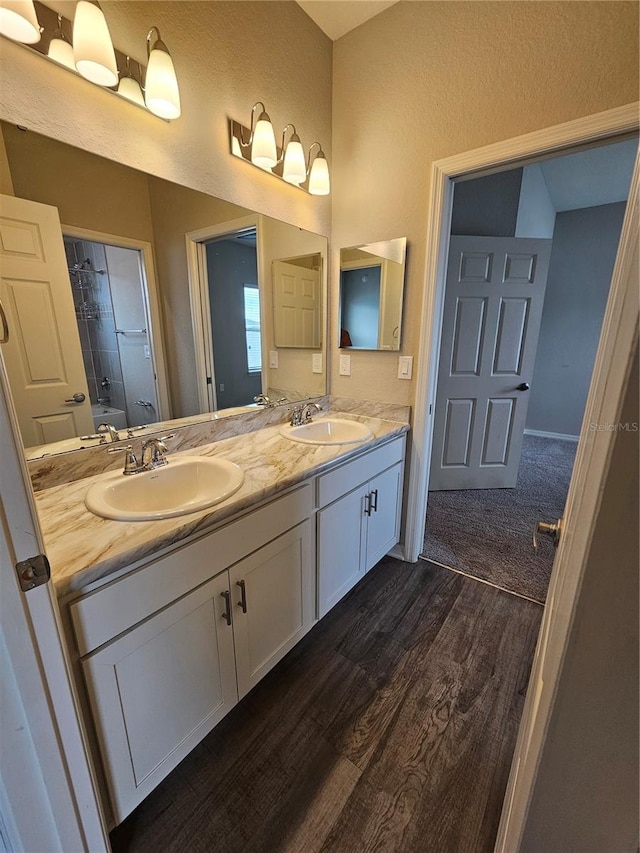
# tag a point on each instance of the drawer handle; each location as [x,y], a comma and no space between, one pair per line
[243,596]
[367,504]
[374,501]
[227,606]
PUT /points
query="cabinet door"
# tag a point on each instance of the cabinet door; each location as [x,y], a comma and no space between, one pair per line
[157,690]
[383,524]
[341,547]
[273,595]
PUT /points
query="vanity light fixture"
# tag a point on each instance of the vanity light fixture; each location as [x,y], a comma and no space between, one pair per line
[18,21]
[91,53]
[93,50]
[61,50]
[162,95]
[257,145]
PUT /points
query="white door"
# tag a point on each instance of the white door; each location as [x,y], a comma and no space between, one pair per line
[383,522]
[492,312]
[341,547]
[42,356]
[296,306]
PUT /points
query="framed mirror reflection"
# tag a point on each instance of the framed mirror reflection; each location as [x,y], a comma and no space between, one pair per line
[161,303]
[371,295]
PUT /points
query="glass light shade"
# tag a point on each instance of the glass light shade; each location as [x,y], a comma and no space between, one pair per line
[62,52]
[295,169]
[161,85]
[92,47]
[319,183]
[263,147]
[18,21]
[130,89]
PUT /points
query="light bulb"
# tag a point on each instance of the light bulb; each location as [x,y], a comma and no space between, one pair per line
[93,50]
[130,89]
[263,147]
[162,95]
[18,21]
[319,183]
[294,170]
[62,52]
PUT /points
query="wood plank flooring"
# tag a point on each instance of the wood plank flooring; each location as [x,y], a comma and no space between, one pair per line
[389,728]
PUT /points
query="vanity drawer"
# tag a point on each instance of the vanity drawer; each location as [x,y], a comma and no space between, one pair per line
[117,607]
[335,484]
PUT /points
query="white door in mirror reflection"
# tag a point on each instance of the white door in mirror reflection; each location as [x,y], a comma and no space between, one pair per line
[297,306]
[43,356]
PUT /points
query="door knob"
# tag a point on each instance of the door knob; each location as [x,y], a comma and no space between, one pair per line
[523,386]
[551,529]
[77,398]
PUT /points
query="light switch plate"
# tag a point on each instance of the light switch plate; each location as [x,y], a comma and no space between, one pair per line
[316,362]
[345,365]
[273,358]
[405,366]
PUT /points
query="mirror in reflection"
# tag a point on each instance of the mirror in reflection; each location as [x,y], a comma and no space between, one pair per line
[163,301]
[371,295]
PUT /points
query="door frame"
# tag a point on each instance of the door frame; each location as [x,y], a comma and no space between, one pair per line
[199,301]
[617,341]
[64,781]
[151,300]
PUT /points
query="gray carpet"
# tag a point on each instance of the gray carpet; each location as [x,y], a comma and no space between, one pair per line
[487,532]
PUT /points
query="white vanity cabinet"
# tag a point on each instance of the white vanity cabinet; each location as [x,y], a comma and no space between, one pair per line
[356,527]
[168,650]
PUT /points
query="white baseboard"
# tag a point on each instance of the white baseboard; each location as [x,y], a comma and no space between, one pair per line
[542,434]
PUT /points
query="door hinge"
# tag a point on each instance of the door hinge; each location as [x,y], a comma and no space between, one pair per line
[33,572]
[209,380]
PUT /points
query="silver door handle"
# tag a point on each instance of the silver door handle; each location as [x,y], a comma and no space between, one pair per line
[78,397]
[4,337]
[551,529]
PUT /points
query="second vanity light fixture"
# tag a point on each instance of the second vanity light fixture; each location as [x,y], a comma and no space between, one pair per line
[257,144]
[90,52]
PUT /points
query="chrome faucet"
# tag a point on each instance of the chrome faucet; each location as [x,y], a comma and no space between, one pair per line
[108,429]
[302,414]
[263,400]
[154,455]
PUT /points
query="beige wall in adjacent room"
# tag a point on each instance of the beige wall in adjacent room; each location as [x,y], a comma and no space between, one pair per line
[427,80]
[227,56]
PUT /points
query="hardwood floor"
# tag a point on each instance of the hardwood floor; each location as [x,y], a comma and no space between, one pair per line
[390,727]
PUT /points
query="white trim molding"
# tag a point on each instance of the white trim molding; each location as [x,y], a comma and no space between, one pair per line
[561,436]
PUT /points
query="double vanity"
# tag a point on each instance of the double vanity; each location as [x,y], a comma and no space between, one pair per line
[173,617]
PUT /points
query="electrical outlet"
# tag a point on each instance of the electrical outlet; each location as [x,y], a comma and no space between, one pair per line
[316,362]
[405,366]
[147,354]
[273,358]
[345,365]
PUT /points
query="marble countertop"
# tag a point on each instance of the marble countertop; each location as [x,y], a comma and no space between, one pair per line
[83,548]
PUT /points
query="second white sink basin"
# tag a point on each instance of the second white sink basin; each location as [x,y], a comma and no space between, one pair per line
[184,485]
[328,431]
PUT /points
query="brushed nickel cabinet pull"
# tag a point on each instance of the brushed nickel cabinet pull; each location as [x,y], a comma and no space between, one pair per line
[227,606]
[243,596]
[374,500]
[4,336]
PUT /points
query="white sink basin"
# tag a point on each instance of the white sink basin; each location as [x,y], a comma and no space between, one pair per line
[328,431]
[184,485]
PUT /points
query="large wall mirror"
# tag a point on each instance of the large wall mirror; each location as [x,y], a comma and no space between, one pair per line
[371,295]
[133,300]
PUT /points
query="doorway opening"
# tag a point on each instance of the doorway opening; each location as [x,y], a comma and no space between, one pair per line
[108,287]
[530,261]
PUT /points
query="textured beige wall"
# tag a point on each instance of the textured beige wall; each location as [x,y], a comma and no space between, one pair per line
[427,80]
[227,56]
[90,192]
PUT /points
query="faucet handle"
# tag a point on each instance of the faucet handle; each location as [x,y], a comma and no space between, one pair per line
[130,461]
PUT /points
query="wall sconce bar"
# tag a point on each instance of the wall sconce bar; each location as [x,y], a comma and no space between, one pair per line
[241,141]
[57,29]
